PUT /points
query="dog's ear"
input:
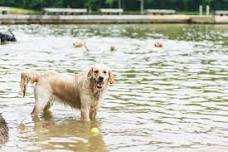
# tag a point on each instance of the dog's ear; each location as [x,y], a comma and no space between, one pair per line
[110,77]
[89,75]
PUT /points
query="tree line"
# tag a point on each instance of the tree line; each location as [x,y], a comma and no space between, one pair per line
[127,5]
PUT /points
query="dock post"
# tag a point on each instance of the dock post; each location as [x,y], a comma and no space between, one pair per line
[200,10]
[142,6]
[207,10]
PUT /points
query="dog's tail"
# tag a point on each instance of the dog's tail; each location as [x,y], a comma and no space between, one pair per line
[27,77]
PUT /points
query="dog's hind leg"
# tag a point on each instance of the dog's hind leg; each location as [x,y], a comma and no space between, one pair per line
[48,106]
[42,100]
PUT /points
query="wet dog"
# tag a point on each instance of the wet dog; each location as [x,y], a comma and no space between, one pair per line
[84,91]
[4,130]
[7,37]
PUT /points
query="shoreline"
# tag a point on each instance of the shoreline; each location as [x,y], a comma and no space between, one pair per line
[111,19]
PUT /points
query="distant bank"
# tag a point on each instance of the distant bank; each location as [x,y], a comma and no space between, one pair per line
[110,19]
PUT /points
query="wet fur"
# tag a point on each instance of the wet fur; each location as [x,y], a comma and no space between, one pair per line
[4,130]
[79,91]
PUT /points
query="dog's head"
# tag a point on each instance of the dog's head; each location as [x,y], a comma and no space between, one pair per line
[101,75]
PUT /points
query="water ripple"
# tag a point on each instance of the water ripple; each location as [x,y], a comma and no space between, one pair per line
[172,98]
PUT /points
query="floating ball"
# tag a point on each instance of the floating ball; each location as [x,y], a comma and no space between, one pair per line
[94,131]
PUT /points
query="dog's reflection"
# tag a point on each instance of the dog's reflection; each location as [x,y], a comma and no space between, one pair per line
[67,134]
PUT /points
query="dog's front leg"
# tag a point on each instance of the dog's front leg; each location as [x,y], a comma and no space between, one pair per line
[85,108]
[93,114]
[85,113]
[93,109]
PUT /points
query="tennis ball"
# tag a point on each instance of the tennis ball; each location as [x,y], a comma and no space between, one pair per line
[94,131]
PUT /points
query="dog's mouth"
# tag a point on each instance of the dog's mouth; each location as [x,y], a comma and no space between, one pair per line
[99,84]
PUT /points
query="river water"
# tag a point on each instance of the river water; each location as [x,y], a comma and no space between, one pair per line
[170,98]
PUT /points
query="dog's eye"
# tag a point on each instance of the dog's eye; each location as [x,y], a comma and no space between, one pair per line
[96,71]
[104,72]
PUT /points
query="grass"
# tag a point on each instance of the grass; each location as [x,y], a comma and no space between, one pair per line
[13,10]
[188,13]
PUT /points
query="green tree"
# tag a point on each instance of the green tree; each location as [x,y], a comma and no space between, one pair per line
[128,5]
[109,2]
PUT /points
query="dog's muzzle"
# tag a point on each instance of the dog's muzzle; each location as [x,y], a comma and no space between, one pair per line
[100,82]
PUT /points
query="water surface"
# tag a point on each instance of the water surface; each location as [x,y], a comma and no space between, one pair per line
[172,98]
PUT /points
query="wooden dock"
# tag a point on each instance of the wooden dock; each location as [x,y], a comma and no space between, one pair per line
[109,19]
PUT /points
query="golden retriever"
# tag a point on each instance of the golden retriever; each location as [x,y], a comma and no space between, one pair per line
[84,91]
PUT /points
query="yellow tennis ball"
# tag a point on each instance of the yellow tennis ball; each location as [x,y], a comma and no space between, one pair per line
[94,131]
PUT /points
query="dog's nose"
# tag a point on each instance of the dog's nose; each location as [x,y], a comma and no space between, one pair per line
[100,78]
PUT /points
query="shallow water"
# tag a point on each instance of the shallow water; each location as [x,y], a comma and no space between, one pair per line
[172,98]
